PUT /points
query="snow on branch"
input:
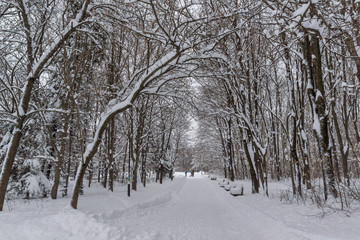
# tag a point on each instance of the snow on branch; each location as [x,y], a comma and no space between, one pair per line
[154,72]
[64,35]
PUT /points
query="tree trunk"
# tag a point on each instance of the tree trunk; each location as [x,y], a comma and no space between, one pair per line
[111,149]
[90,174]
[254,178]
[316,91]
[124,164]
[304,145]
[161,170]
[230,151]
[60,155]
[14,142]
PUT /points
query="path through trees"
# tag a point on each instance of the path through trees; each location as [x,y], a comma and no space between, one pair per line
[90,89]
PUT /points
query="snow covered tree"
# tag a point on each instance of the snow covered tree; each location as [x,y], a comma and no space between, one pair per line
[34,50]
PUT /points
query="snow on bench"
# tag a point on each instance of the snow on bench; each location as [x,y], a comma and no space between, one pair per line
[213,177]
[224,182]
[229,186]
[237,190]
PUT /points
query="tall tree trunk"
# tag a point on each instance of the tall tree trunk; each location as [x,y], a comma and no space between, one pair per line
[304,144]
[68,169]
[161,173]
[292,127]
[60,155]
[316,90]
[110,152]
[344,152]
[249,152]
[139,143]
[143,165]
[230,151]
[124,163]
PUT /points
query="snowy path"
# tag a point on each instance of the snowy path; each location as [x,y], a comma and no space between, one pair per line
[195,212]
[200,210]
[186,208]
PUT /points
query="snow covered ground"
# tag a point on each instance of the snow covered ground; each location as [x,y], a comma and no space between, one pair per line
[186,208]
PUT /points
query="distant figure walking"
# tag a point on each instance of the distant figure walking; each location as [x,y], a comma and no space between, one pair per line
[192,173]
[185,173]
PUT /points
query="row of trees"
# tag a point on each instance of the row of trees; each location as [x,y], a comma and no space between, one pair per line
[283,89]
[68,69]
[90,85]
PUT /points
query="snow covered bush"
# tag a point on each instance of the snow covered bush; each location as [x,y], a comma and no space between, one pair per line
[35,185]
[31,184]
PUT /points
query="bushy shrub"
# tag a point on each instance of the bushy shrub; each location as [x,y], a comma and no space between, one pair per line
[31,183]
